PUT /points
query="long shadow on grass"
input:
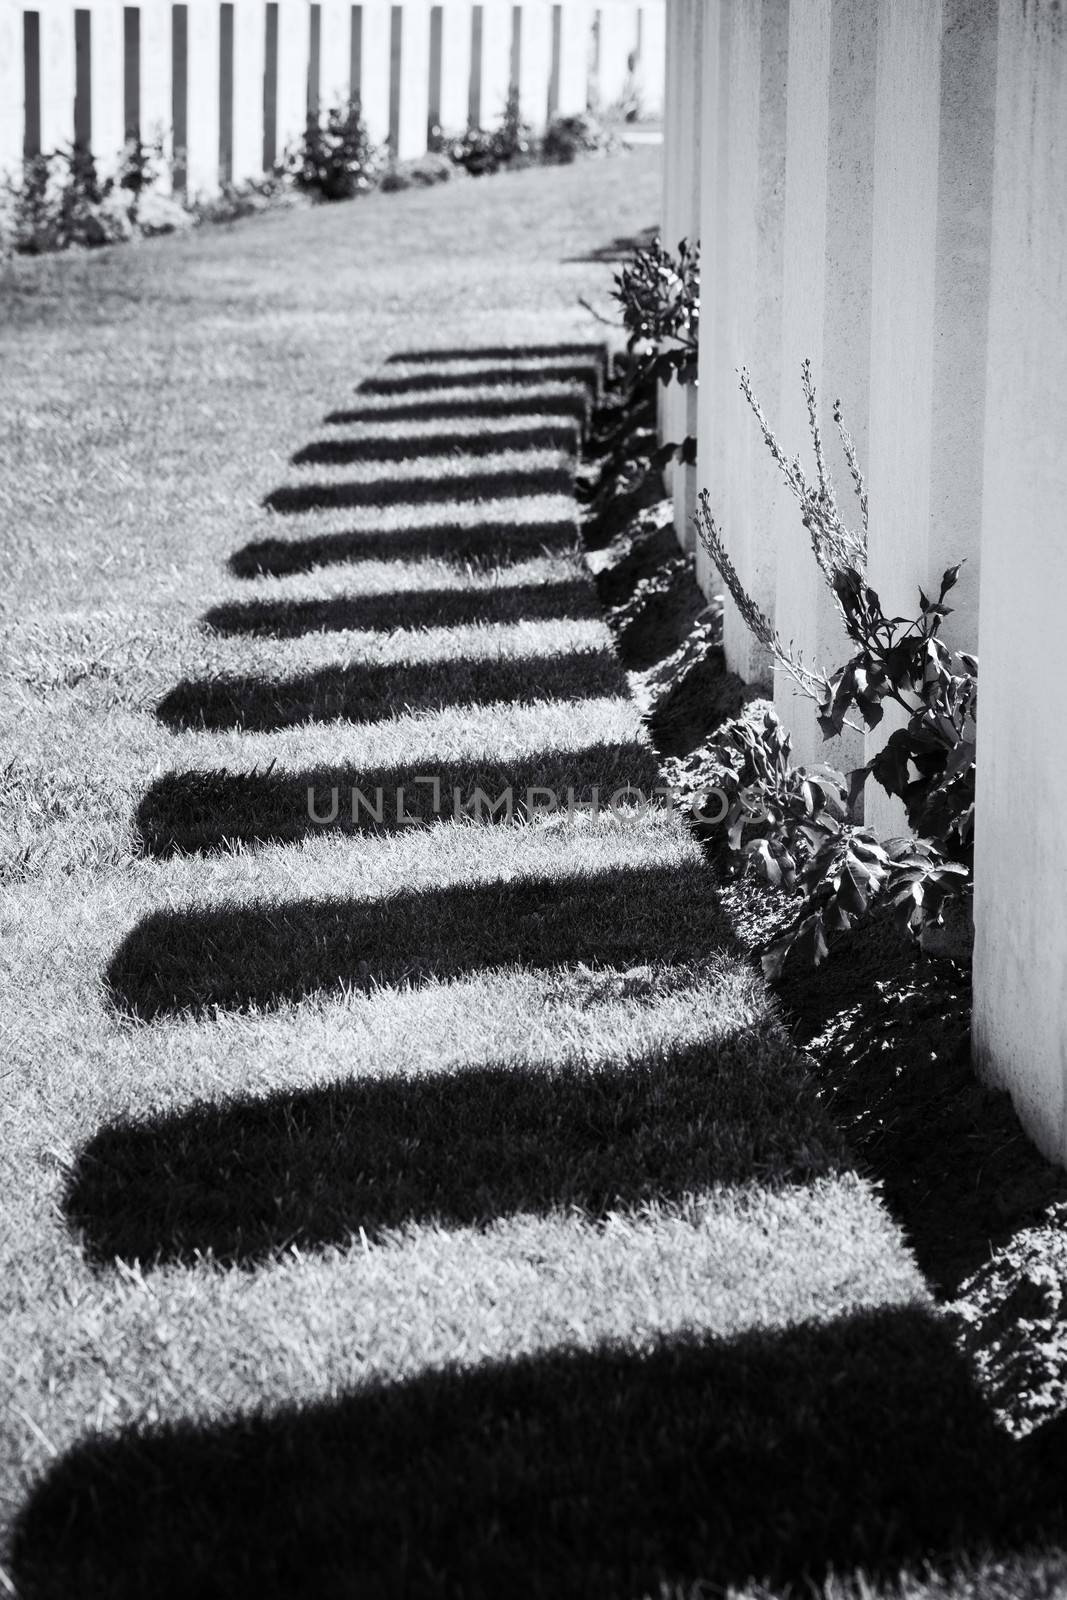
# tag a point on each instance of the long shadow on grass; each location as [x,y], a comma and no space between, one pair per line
[214,810]
[407,608]
[506,483]
[370,693]
[344,452]
[553,402]
[502,352]
[249,1177]
[861,1443]
[585,375]
[241,957]
[487,545]
[955,1166]
[618,249]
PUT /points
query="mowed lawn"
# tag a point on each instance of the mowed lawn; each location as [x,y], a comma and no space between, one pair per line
[414,1203]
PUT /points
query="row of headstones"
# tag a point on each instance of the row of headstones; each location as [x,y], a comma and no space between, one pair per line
[881,186]
[228,87]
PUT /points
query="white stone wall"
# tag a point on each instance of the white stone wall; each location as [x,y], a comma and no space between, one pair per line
[57,70]
[1020,975]
[883,190]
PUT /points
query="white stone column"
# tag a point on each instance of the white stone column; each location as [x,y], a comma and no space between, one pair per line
[682,400]
[536,61]
[106,72]
[414,80]
[653,21]
[618,42]
[57,76]
[1020,993]
[294,36]
[679,218]
[671,73]
[826,306]
[249,54]
[156,69]
[575,23]
[336,58]
[744,227]
[714,168]
[202,165]
[455,64]
[375,90]
[12,91]
[496,60]
[930,286]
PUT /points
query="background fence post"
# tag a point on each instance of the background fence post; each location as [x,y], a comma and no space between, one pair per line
[227,31]
[131,71]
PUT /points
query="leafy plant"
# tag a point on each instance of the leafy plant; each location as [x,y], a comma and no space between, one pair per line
[800,826]
[140,165]
[480,151]
[422,172]
[660,299]
[59,201]
[567,138]
[336,159]
[250,198]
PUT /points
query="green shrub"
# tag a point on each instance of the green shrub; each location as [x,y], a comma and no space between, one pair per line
[140,165]
[238,200]
[336,159]
[567,138]
[421,173]
[798,825]
[510,145]
[59,201]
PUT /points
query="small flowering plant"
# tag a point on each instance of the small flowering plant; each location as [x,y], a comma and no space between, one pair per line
[660,299]
[800,827]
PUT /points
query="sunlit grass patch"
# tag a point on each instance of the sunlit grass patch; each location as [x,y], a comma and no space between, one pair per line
[311,1132]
